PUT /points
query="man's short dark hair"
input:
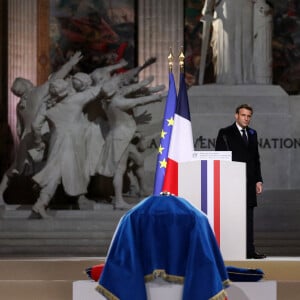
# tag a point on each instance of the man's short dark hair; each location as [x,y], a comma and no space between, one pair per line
[245,106]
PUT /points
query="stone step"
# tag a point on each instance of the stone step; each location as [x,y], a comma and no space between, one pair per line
[62,290]
[56,242]
[277,224]
[36,289]
[55,250]
[56,225]
[73,268]
[49,279]
[290,251]
[67,241]
[282,234]
[104,211]
[54,235]
[284,223]
[89,232]
[59,268]
[68,233]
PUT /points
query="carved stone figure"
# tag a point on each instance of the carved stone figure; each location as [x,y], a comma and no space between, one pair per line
[31,98]
[262,42]
[104,73]
[241,41]
[232,42]
[67,151]
[117,147]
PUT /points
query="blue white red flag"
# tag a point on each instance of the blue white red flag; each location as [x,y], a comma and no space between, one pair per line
[181,144]
[165,136]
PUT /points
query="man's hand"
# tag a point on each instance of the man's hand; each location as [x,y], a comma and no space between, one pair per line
[259,187]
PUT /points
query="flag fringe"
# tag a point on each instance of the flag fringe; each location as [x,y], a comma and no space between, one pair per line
[167,277]
[220,296]
[162,274]
[106,293]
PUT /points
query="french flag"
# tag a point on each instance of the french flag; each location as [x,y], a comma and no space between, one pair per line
[181,144]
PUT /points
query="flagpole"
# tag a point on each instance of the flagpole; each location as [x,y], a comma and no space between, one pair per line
[181,142]
[167,125]
[181,58]
[170,60]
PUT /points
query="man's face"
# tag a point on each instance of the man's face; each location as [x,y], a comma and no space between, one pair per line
[243,117]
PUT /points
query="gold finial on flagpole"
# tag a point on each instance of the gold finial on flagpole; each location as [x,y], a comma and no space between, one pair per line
[170,60]
[181,60]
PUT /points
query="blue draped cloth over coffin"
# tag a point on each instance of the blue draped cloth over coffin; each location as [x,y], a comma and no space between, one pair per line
[164,236]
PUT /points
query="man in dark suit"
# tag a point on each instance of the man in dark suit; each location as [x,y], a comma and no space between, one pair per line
[242,141]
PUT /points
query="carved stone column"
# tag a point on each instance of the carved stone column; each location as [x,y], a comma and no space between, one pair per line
[160,26]
[3,61]
[22,49]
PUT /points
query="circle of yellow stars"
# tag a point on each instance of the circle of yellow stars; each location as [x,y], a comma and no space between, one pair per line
[163,163]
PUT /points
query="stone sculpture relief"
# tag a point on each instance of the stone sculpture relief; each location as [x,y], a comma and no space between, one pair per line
[78,147]
[31,98]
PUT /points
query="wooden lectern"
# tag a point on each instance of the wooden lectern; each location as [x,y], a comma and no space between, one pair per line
[218,188]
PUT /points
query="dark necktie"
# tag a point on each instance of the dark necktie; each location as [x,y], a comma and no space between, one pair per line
[244,136]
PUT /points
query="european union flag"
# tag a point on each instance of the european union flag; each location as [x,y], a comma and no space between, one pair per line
[165,136]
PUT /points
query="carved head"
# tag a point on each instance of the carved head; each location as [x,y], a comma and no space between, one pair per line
[20,86]
[59,88]
[81,81]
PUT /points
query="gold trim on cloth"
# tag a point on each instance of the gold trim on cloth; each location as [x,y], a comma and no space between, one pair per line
[162,274]
[167,277]
[106,293]
[220,296]
[226,283]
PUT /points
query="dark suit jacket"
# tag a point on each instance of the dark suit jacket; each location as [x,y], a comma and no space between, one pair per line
[230,139]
